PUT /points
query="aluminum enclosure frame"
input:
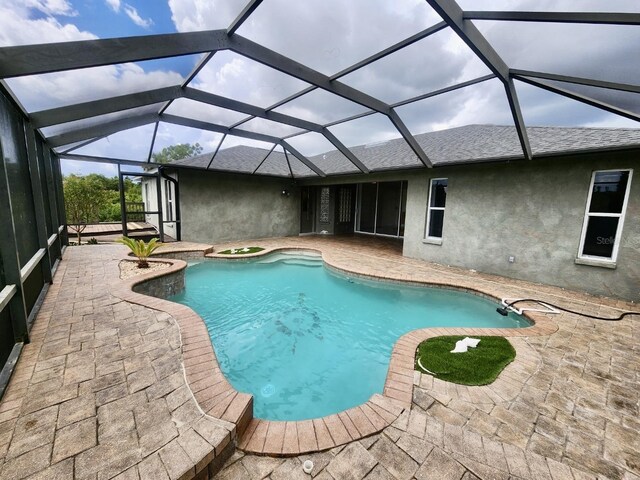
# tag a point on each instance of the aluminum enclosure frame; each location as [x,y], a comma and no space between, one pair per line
[46,58]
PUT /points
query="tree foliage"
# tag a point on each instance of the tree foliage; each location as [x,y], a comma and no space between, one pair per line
[177,152]
[95,198]
[84,197]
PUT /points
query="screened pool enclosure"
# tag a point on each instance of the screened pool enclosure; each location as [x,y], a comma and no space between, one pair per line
[315,102]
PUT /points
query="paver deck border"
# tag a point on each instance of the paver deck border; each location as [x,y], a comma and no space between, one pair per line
[219,399]
[213,393]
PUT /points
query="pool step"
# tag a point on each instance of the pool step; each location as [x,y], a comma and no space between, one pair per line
[293,258]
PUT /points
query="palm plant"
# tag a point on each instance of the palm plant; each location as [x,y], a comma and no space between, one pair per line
[141,249]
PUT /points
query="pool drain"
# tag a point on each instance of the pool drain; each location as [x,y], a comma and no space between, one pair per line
[268,390]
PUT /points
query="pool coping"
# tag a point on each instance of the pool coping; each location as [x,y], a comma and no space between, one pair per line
[217,398]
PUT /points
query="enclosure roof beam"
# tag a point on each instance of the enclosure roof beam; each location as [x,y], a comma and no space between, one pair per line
[302,158]
[187,122]
[292,97]
[350,118]
[376,56]
[581,98]
[230,104]
[286,157]
[79,111]
[212,127]
[115,161]
[625,87]
[102,129]
[344,150]
[392,49]
[448,89]
[177,166]
[153,141]
[413,99]
[597,18]
[451,13]
[57,57]
[410,139]
[243,121]
[283,64]
[75,146]
[264,159]
[216,150]
[199,66]
[243,16]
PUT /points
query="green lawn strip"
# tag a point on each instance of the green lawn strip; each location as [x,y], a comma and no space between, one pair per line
[476,366]
[239,252]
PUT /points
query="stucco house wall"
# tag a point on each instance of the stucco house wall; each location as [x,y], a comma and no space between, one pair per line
[533,211]
[217,207]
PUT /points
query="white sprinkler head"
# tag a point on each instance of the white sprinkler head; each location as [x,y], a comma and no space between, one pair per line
[307,466]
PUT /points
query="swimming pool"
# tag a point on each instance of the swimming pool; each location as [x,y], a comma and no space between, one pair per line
[308,342]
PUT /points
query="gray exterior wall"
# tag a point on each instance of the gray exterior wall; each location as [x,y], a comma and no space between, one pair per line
[219,207]
[533,210]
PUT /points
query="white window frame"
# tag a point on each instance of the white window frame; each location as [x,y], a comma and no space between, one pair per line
[427,237]
[147,205]
[620,216]
[168,200]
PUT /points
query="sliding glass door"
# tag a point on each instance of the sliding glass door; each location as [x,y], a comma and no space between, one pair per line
[367,194]
[381,208]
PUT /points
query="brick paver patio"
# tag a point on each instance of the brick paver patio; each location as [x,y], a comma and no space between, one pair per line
[101,391]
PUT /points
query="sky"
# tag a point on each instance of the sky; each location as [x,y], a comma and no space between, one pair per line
[326,35]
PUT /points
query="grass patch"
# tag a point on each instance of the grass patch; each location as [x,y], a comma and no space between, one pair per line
[476,366]
[241,251]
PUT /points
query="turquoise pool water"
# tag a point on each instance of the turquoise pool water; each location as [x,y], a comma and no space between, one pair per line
[307,342]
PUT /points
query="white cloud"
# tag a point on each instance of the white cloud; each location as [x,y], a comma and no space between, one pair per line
[120,145]
[195,15]
[40,92]
[234,76]
[51,7]
[135,17]
[114,5]
[18,28]
[131,12]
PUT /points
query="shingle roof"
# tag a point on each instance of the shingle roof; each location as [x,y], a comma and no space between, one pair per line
[468,144]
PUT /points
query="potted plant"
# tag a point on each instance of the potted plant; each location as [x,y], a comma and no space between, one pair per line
[141,249]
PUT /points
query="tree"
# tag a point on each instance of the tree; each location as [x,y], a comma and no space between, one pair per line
[177,152]
[84,197]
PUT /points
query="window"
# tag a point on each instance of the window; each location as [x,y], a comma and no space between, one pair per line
[325,199]
[435,208]
[169,200]
[344,205]
[604,217]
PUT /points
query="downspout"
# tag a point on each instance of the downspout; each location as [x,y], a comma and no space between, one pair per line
[176,185]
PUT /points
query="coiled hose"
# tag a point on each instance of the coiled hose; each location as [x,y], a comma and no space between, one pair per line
[504,311]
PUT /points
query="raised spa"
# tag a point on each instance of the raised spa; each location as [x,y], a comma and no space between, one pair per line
[308,342]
